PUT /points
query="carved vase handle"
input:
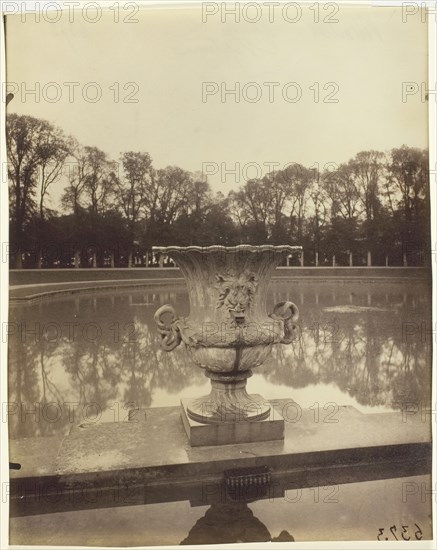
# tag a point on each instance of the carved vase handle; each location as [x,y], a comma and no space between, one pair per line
[169,331]
[289,313]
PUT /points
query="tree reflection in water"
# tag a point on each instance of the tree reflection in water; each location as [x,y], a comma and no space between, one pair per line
[362,350]
[351,336]
[226,523]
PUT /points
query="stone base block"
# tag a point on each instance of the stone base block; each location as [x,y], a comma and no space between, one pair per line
[227,433]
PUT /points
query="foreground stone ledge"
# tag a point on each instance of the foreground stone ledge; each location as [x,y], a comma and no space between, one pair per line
[115,464]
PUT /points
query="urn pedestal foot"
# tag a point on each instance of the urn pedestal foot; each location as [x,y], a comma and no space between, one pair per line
[228,401]
[227,433]
[228,414]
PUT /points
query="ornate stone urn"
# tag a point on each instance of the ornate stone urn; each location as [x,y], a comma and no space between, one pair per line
[228,331]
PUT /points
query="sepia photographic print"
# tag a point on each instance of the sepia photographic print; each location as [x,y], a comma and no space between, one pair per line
[218,240]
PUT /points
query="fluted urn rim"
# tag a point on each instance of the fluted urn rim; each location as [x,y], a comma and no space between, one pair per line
[221,248]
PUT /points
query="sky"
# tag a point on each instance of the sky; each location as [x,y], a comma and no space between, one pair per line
[152,76]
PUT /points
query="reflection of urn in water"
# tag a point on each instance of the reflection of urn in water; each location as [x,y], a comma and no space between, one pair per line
[226,523]
[228,331]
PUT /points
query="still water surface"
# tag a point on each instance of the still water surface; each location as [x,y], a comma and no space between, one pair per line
[92,357]
[368,511]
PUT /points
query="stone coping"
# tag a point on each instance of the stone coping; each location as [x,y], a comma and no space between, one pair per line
[229,249]
[21,293]
[151,452]
[26,293]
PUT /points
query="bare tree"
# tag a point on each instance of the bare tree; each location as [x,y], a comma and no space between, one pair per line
[169,195]
[77,173]
[133,187]
[318,205]
[35,148]
[367,168]
[407,191]
[100,180]
[53,149]
[342,189]
[299,181]
[251,206]
[200,198]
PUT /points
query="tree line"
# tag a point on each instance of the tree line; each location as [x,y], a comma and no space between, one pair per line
[372,210]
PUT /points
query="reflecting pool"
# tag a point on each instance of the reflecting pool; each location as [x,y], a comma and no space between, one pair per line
[94,357]
[370,511]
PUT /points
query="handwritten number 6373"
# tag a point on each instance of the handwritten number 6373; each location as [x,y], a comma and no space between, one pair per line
[404,533]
